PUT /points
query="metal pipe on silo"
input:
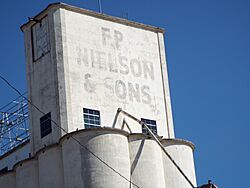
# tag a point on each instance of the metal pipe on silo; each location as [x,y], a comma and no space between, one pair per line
[146,162]
[182,152]
[119,110]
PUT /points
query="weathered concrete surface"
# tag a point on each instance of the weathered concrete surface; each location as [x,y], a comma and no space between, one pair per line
[52,176]
[79,60]
[8,180]
[182,152]
[146,162]
[110,146]
[27,174]
[68,164]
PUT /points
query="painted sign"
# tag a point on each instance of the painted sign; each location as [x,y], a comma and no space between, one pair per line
[105,60]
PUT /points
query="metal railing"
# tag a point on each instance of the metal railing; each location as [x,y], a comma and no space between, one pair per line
[14,124]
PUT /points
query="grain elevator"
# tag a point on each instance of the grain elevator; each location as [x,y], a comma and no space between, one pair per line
[84,69]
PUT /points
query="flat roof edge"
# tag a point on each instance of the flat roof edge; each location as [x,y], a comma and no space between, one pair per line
[94,14]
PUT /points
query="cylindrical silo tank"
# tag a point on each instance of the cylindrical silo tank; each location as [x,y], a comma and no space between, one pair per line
[27,174]
[8,180]
[83,169]
[146,162]
[182,153]
[50,167]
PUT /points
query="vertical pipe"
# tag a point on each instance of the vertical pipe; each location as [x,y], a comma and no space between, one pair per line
[100,6]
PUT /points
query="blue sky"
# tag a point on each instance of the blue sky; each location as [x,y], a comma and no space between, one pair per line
[208,49]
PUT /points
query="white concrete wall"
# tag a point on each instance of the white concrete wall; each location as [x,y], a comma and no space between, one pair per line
[42,84]
[166,86]
[92,62]
[146,162]
[182,152]
[110,66]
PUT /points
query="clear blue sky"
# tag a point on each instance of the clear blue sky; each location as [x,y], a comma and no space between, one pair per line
[208,49]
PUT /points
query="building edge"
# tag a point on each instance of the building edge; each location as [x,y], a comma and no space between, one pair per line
[58,5]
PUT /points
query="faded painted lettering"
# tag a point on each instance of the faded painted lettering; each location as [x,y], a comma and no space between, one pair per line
[112,38]
[120,89]
[112,60]
[117,64]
